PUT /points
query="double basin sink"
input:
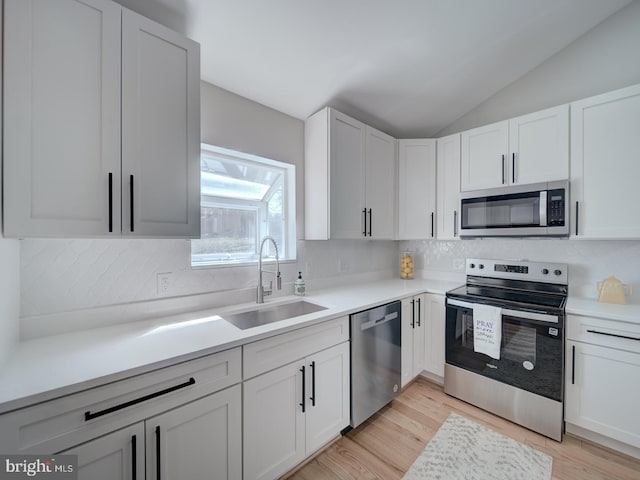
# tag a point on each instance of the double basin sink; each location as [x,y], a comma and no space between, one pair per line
[272,313]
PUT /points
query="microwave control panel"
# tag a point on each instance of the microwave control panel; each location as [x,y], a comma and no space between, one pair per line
[555,208]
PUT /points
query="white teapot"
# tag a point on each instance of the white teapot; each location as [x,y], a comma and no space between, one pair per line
[612,290]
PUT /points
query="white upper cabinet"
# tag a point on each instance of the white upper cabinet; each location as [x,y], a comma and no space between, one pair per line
[484,151]
[380,184]
[350,171]
[346,182]
[539,146]
[160,130]
[605,166]
[448,215]
[416,189]
[527,149]
[93,95]
[61,117]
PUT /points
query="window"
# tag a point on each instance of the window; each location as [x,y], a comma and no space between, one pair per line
[243,199]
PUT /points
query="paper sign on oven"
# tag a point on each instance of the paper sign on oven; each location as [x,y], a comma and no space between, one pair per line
[487,330]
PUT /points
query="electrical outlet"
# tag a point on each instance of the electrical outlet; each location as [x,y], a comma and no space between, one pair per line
[164,284]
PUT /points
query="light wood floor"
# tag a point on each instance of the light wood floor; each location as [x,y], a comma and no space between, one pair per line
[385,446]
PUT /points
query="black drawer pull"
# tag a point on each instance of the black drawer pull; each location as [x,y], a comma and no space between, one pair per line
[158,451]
[364,215]
[131,202]
[614,335]
[110,202]
[89,416]
[573,364]
[313,384]
[577,216]
[304,395]
[134,462]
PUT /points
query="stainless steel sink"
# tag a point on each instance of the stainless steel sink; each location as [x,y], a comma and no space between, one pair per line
[275,313]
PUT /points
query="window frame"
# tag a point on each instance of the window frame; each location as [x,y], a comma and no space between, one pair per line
[288,251]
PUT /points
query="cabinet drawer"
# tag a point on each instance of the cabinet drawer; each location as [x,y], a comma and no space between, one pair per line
[608,333]
[52,426]
[270,353]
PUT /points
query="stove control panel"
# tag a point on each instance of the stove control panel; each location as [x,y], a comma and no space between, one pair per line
[519,269]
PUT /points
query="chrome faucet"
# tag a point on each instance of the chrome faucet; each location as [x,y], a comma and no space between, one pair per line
[261,290]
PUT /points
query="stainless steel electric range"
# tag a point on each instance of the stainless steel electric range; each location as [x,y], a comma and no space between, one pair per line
[505,341]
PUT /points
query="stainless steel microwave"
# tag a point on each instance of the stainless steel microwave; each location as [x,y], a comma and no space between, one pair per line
[534,210]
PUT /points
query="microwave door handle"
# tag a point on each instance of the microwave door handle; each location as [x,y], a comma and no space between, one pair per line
[543,208]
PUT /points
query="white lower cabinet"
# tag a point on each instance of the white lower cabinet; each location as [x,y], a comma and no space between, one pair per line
[292,411]
[434,331]
[117,456]
[201,440]
[602,391]
[197,441]
[412,338]
[185,419]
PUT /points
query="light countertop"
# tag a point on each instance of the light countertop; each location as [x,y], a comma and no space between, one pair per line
[610,311]
[49,367]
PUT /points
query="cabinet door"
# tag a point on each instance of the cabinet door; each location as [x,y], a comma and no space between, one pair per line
[199,440]
[346,151]
[274,422]
[605,147]
[484,156]
[448,187]
[434,334]
[416,189]
[116,456]
[412,338]
[602,392]
[539,146]
[328,396]
[61,117]
[160,130]
[380,184]
[418,335]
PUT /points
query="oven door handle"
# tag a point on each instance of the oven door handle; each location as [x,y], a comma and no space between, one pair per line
[543,317]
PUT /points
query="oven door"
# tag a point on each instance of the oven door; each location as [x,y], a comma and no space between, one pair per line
[531,351]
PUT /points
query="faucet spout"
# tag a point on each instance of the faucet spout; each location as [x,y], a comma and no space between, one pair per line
[261,291]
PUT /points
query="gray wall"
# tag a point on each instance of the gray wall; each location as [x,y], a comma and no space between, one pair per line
[9,274]
[604,59]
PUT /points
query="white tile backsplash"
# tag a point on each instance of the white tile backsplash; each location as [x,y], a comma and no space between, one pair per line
[589,260]
[61,275]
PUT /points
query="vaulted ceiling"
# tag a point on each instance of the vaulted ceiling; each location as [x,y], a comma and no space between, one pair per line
[409,67]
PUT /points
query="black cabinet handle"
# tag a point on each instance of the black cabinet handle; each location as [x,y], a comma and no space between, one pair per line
[89,416]
[134,453]
[419,301]
[503,169]
[455,223]
[370,221]
[573,364]
[614,335]
[577,212]
[432,224]
[513,168]
[131,202]
[304,395]
[110,202]
[413,314]
[158,452]
[313,384]
[364,215]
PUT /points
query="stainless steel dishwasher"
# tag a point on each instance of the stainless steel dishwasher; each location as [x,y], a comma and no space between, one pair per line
[375,360]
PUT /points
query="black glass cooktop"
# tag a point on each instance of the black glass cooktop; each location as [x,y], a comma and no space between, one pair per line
[512,297]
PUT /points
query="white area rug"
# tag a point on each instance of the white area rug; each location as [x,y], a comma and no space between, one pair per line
[464,450]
